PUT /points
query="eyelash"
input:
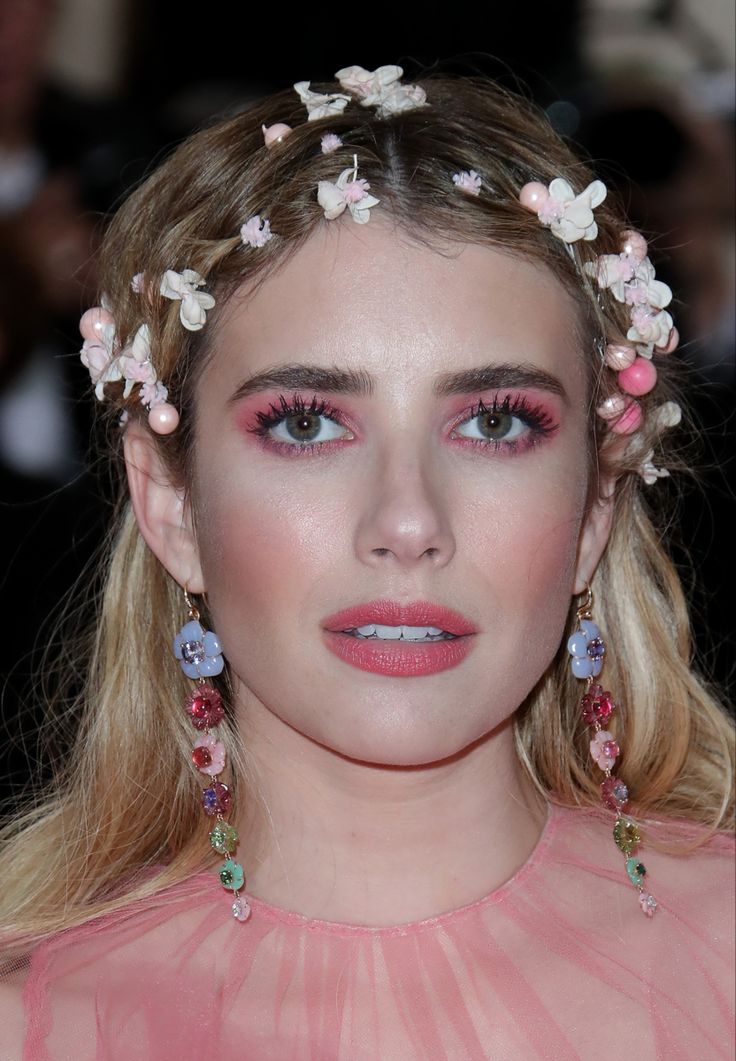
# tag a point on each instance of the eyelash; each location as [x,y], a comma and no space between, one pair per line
[536,417]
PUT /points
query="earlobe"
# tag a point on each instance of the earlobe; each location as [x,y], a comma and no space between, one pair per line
[161,510]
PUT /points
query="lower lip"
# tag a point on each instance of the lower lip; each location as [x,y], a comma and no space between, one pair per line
[399,659]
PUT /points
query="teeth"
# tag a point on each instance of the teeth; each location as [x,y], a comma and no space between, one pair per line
[403,633]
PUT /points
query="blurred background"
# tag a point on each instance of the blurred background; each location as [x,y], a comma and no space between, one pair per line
[94,92]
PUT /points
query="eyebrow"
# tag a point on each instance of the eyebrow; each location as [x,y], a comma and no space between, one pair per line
[360,383]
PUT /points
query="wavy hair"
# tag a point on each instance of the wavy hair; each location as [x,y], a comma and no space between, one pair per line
[121,819]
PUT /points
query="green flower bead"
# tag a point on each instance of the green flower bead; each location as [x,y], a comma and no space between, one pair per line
[232,875]
[626,834]
[224,838]
[636,870]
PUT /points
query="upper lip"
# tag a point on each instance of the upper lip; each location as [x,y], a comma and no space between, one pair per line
[393,613]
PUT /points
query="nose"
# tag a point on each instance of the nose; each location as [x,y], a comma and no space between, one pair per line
[405,515]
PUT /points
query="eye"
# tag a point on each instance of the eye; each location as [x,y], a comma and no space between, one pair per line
[508,422]
[298,425]
[494,425]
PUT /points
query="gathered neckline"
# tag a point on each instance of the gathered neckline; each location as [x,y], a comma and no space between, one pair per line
[268,911]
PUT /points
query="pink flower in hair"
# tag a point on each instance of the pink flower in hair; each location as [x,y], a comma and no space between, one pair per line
[569,216]
[255,233]
[153,394]
[467,181]
[330,142]
[348,191]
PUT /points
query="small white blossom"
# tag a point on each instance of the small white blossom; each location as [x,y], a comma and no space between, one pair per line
[347,192]
[184,286]
[320,104]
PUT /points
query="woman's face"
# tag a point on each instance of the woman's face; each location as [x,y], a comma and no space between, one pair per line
[388,480]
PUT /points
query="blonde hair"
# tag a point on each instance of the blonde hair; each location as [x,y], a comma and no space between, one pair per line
[122,818]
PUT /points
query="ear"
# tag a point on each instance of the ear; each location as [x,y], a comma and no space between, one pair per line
[594,535]
[161,510]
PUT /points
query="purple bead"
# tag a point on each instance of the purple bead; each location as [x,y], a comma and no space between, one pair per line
[596,649]
[216,799]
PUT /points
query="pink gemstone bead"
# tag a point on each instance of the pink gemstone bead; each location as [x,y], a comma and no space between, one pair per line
[671,344]
[619,356]
[275,134]
[163,419]
[93,323]
[241,909]
[629,421]
[533,196]
[201,757]
[205,707]
[614,793]
[639,378]
[611,749]
[634,244]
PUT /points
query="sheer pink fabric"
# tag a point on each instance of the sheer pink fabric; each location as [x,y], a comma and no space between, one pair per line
[558,963]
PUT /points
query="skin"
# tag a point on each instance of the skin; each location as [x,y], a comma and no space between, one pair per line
[384,799]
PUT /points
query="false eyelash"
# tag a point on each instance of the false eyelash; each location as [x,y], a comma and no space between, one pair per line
[536,417]
[294,407]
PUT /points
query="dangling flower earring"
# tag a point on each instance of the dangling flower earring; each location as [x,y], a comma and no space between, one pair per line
[587,648]
[200,655]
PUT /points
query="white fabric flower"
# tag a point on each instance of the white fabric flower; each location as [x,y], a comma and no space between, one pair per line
[570,216]
[667,415]
[347,192]
[255,233]
[630,280]
[649,328]
[135,363]
[184,286]
[320,104]
[648,472]
[382,89]
[98,357]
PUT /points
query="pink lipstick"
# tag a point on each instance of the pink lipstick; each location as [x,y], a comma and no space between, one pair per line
[398,657]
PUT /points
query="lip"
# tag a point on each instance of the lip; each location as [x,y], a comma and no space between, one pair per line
[392,613]
[399,659]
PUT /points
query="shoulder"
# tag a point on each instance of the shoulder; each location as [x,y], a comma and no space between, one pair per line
[13,1023]
[690,870]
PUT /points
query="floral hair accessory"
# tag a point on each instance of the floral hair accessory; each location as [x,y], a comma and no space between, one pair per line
[184,286]
[275,134]
[320,104]
[255,233]
[467,181]
[382,89]
[348,192]
[568,215]
[330,142]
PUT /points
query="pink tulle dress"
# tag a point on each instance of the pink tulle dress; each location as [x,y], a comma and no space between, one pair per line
[558,963]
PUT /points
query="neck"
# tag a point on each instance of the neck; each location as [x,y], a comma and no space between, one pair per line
[340,840]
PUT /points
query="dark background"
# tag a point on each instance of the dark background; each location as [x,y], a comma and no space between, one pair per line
[671,160]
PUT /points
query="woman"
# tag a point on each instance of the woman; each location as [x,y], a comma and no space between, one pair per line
[351,352]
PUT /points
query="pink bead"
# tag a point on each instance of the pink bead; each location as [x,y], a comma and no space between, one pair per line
[639,378]
[275,134]
[634,244]
[629,421]
[93,323]
[163,419]
[671,344]
[533,196]
[619,356]
[612,407]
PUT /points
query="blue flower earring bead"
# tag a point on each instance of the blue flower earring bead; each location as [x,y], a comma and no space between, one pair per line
[200,656]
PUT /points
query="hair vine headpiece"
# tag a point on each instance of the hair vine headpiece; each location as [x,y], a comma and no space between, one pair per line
[629,275]
[630,278]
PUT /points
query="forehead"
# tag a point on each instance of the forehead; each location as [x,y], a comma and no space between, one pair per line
[368,295]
